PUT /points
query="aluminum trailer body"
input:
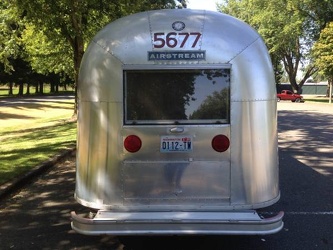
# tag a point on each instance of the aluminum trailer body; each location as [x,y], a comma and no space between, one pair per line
[177,127]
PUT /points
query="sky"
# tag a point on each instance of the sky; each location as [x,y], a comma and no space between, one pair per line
[203,4]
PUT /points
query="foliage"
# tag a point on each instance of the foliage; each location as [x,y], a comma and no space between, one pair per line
[45,55]
[14,56]
[9,35]
[214,106]
[289,28]
[323,51]
[320,13]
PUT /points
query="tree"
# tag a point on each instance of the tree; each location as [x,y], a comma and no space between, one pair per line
[214,106]
[74,22]
[10,30]
[46,56]
[323,54]
[15,66]
[281,23]
[319,13]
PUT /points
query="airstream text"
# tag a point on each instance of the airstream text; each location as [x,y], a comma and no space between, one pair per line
[176,55]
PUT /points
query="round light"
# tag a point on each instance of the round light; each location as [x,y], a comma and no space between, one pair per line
[220,143]
[132,143]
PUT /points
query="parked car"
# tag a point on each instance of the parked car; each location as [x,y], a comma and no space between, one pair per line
[289,95]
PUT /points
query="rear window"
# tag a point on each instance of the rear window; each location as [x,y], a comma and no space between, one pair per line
[187,96]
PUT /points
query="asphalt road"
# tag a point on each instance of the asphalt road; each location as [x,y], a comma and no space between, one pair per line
[38,217]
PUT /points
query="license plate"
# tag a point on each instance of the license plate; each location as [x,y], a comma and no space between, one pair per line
[176,144]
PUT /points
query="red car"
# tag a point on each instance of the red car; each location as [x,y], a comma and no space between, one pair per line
[289,95]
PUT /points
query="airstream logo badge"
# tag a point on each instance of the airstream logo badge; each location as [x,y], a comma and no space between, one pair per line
[187,55]
[178,25]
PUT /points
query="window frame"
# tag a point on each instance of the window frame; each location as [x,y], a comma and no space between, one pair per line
[149,67]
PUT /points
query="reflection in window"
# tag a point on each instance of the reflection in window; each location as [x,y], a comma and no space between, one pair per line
[189,96]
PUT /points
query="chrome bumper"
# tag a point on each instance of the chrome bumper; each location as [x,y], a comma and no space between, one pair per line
[177,223]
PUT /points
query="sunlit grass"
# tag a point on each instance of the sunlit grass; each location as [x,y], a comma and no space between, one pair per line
[33,133]
[24,150]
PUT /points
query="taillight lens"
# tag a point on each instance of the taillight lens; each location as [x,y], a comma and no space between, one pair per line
[132,143]
[220,143]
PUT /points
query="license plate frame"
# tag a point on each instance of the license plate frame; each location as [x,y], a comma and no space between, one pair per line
[176,144]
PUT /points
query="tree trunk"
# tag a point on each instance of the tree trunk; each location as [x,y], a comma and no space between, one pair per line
[28,89]
[41,87]
[78,54]
[56,83]
[52,90]
[309,72]
[77,44]
[20,93]
[291,70]
[10,91]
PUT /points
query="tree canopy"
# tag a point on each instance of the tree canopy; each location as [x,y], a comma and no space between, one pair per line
[323,54]
[9,34]
[323,51]
[289,28]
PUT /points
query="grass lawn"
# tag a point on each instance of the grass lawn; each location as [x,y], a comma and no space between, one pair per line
[32,132]
[320,99]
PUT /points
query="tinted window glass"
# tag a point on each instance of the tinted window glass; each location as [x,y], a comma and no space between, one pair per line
[177,96]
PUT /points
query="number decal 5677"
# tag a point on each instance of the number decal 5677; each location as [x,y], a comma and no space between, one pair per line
[174,39]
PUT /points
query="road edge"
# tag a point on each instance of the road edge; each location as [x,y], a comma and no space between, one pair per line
[17,183]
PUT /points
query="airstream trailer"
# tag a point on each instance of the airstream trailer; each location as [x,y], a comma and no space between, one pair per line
[177,127]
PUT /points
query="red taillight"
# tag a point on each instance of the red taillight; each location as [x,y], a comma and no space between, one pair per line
[220,143]
[132,143]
